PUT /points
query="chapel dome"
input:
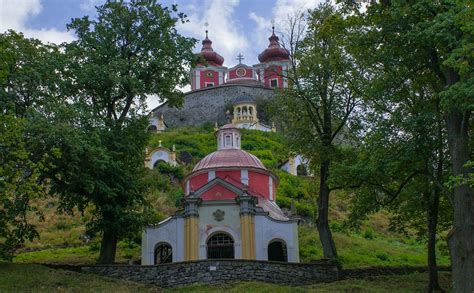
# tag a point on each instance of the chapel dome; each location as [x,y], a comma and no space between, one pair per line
[274,52]
[244,99]
[212,57]
[229,158]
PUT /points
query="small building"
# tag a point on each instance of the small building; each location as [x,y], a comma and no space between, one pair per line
[245,115]
[229,212]
[296,165]
[160,154]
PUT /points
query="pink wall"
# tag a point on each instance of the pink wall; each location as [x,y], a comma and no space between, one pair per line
[197,181]
[248,73]
[205,78]
[234,174]
[259,183]
[218,192]
[270,74]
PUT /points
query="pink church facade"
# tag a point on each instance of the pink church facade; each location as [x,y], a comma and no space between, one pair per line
[271,72]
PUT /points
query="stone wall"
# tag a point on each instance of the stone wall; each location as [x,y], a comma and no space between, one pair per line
[209,105]
[221,271]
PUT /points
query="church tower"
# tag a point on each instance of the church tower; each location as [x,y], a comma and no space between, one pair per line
[209,73]
[274,64]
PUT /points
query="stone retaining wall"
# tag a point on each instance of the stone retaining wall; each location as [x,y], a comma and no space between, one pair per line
[221,271]
[210,104]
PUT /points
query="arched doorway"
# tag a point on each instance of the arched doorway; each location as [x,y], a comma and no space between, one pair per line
[301,170]
[277,251]
[220,245]
[163,253]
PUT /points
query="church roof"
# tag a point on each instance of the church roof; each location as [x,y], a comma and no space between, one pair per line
[209,54]
[229,158]
[244,99]
[274,52]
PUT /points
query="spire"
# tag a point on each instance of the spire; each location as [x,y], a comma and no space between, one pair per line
[274,52]
[208,53]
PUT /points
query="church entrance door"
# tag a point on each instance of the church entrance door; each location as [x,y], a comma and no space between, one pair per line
[220,245]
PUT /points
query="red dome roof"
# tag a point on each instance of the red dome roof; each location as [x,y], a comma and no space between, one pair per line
[229,158]
[274,52]
[208,53]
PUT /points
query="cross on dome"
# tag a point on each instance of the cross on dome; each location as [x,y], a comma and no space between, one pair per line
[240,57]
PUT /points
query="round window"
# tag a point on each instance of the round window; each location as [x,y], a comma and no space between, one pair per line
[240,71]
[209,74]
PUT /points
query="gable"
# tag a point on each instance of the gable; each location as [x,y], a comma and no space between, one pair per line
[218,192]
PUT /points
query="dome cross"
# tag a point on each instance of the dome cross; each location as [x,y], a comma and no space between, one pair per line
[240,57]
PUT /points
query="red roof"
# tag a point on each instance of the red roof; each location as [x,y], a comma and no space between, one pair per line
[229,158]
[274,52]
[208,53]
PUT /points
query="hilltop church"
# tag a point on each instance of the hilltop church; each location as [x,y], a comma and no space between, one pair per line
[215,89]
[229,208]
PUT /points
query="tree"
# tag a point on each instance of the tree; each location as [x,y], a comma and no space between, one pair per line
[320,102]
[26,83]
[132,50]
[401,165]
[431,43]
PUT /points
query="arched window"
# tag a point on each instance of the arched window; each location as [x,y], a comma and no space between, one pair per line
[163,253]
[228,141]
[220,245]
[277,251]
[250,110]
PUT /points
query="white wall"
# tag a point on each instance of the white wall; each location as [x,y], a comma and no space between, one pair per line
[266,230]
[170,231]
[230,224]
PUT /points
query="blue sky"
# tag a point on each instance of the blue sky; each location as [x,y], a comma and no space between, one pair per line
[235,26]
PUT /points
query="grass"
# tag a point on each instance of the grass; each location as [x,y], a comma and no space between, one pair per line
[29,277]
[37,278]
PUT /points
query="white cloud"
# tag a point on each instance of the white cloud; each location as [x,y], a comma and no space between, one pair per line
[89,5]
[280,13]
[14,14]
[224,28]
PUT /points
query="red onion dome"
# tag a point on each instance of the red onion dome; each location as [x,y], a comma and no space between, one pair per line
[274,52]
[229,158]
[213,58]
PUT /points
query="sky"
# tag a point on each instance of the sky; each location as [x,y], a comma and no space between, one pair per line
[235,26]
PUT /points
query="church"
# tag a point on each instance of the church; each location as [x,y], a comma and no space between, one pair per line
[215,89]
[229,212]
[229,208]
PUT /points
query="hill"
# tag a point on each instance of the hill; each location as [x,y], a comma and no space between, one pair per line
[63,239]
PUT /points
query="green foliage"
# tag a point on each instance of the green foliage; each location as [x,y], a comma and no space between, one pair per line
[19,184]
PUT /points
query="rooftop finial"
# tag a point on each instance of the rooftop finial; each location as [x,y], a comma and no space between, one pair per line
[240,57]
[273,26]
[206,25]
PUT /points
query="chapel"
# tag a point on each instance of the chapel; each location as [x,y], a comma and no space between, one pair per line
[229,211]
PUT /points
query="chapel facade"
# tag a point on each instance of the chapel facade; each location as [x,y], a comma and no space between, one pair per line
[229,211]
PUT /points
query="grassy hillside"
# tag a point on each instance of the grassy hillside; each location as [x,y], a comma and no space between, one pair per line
[62,242]
[37,278]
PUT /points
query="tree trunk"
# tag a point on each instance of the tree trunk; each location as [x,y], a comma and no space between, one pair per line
[461,237]
[433,207]
[325,235]
[108,248]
